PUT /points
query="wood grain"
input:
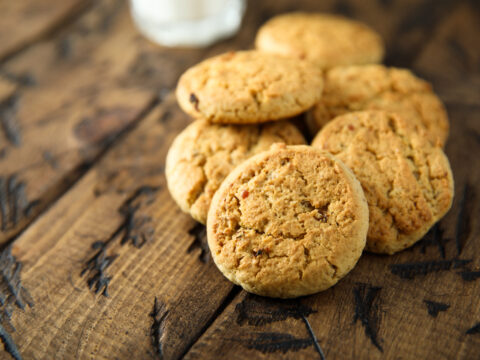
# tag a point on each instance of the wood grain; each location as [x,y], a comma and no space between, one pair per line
[105,211]
[36,18]
[453,52]
[451,60]
[109,75]
[380,310]
[115,270]
[88,89]
[420,303]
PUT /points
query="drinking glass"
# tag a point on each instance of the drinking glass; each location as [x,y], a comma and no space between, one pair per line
[192,23]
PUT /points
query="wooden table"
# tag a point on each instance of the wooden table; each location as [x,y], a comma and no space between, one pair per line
[99,263]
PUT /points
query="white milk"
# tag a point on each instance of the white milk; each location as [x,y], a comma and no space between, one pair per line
[187,22]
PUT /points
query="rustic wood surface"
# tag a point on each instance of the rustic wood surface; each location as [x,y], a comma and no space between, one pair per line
[25,21]
[98,262]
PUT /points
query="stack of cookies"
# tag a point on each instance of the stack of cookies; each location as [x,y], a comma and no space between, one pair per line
[285,219]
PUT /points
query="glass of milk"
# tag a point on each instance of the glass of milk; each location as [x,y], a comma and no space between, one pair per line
[192,23]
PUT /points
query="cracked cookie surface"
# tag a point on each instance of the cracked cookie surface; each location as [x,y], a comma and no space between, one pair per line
[325,40]
[249,87]
[376,87]
[407,181]
[288,222]
[203,154]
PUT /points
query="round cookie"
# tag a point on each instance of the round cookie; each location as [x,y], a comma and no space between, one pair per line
[288,222]
[376,87]
[203,154]
[325,40]
[407,181]
[249,87]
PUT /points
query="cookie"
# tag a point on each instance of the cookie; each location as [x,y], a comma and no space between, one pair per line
[203,154]
[249,87]
[407,181]
[288,222]
[325,40]
[376,87]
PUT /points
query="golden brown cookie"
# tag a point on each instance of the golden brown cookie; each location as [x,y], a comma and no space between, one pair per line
[249,87]
[407,181]
[203,154]
[376,87]
[326,40]
[288,222]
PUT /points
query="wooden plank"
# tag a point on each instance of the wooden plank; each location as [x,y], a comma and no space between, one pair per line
[25,21]
[453,53]
[122,199]
[421,303]
[452,59]
[94,81]
[7,88]
[386,307]
[108,74]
